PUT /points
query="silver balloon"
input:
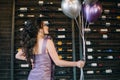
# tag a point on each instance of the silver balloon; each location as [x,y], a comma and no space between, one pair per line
[71,8]
[89,1]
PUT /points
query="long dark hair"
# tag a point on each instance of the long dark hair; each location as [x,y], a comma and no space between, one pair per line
[29,38]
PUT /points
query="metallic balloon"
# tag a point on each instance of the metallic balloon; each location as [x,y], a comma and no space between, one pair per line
[92,12]
[71,8]
[89,1]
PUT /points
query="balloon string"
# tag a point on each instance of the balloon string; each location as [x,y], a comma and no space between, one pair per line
[83,38]
[80,33]
[82,74]
[86,23]
[81,29]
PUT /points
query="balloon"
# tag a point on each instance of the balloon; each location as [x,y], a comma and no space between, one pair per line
[90,1]
[92,12]
[71,8]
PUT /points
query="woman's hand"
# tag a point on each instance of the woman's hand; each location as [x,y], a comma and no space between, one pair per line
[20,55]
[32,63]
[80,63]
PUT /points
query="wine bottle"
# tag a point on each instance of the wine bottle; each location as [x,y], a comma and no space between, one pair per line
[41,15]
[107,23]
[104,17]
[69,57]
[88,42]
[61,29]
[89,49]
[117,30]
[30,15]
[108,4]
[59,9]
[92,64]
[98,50]
[24,65]
[108,50]
[60,49]
[108,71]
[61,72]
[119,57]
[98,71]
[23,9]
[106,11]
[21,15]
[109,57]
[90,57]
[87,29]
[105,36]
[90,72]
[68,43]
[61,36]
[118,17]
[63,79]
[40,2]
[103,30]
[118,4]
[59,43]
[21,73]
[99,57]
[69,50]
[100,64]
[65,57]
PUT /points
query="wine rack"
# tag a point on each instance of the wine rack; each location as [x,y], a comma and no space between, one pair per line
[5,40]
[102,39]
[102,44]
[60,30]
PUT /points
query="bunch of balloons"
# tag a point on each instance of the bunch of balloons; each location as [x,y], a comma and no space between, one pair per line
[91,9]
[88,9]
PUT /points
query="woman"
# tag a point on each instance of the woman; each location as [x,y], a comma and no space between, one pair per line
[39,50]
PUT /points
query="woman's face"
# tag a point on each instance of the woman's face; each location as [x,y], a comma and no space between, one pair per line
[45,28]
[41,33]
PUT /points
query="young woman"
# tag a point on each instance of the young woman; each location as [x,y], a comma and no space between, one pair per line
[39,50]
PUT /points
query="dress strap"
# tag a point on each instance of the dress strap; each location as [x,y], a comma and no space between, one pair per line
[44,43]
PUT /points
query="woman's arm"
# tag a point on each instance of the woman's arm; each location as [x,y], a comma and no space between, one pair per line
[63,63]
[20,55]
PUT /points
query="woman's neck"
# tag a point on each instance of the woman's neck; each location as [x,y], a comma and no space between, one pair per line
[40,37]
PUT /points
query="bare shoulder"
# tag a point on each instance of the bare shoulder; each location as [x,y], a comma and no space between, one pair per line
[50,42]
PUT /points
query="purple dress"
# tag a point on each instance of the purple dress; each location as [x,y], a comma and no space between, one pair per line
[43,66]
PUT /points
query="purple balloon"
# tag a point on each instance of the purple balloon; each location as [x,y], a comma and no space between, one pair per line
[92,12]
[90,1]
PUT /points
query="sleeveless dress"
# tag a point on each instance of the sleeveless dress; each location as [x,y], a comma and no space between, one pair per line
[43,66]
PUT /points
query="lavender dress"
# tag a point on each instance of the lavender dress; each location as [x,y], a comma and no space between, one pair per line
[43,67]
